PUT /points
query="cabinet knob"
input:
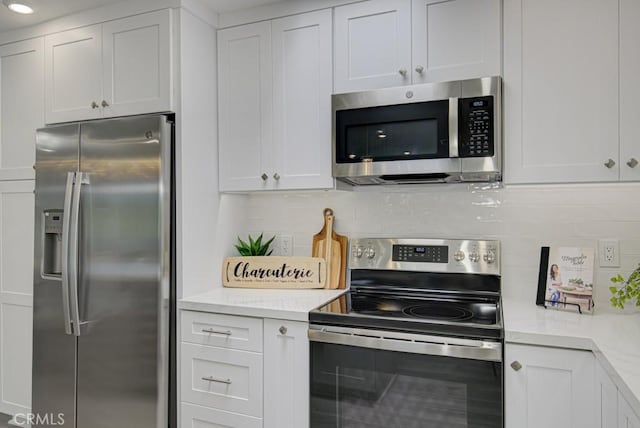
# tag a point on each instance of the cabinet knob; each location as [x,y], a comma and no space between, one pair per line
[276,176]
[403,72]
[264,176]
[105,104]
[94,104]
[632,163]
[610,163]
[516,365]
[419,69]
[282,330]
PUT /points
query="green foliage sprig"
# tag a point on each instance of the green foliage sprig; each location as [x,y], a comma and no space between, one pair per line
[254,247]
[626,289]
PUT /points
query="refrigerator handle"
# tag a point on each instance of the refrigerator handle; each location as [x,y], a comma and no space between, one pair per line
[73,252]
[66,218]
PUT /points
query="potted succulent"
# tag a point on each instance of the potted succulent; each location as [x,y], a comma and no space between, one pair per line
[626,290]
[254,247]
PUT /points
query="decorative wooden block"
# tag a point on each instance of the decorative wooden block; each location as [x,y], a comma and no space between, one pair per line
[274,272]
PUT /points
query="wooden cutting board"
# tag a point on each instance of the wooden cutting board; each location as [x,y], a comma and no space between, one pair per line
[333,248]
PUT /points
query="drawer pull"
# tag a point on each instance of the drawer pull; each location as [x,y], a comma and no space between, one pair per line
[215,379]
[212,331]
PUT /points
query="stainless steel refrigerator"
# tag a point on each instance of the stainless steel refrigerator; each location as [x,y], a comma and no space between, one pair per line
[104,312]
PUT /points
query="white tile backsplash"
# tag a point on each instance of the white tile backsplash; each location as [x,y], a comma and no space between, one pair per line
[524,218]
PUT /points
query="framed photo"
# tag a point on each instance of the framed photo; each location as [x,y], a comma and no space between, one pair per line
[565,280]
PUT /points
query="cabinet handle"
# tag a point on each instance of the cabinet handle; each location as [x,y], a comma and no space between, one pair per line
[516,365]
[610,163]
[276,176]
[264,176]
[105,104]
[419,69]
[282,330]
[94,104]
[403,72]
[632,163]
[215,379]
[212,331]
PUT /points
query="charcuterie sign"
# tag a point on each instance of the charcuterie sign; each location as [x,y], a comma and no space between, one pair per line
[274,272]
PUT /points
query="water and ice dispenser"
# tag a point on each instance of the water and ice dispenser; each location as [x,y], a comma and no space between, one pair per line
[52,254]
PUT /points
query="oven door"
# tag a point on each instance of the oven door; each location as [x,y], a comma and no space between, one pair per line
[364,378]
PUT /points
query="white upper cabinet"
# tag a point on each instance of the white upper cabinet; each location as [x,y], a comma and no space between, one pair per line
[382,43]
[561,90]
[455,39]
[21,106]
[73,74]
[372,46]
[118,68]
[629,90]
[245,106]
[275,104]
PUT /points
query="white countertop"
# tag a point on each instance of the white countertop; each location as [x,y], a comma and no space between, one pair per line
[614,339]
[291,305]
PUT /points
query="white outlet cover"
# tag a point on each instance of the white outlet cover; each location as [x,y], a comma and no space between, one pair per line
[609,253]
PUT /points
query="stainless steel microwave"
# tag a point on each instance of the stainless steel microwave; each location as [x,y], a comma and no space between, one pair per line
[437,132]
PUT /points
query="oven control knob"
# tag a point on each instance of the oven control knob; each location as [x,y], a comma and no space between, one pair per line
[357,252]
[371,253]
[474,257]
[459,255]
[490,257]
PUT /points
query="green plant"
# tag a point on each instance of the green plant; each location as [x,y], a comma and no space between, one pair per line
[254,247]
[626,289]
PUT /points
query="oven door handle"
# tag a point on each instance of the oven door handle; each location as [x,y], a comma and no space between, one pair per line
[411,343]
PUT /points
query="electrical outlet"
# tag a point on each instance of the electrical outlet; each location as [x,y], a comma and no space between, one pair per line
[609,253]
[285,245]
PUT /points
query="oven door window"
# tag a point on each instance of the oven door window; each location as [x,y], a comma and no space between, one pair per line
[390,133]
[354,387]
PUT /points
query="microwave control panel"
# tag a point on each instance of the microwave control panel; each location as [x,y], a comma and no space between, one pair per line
[475,127]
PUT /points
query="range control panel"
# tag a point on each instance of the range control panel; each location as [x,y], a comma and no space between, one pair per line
[475,127]
[426,255]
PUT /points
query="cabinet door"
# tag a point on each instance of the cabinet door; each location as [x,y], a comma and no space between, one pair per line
[286,375]
[204,417]
[629,90]
[455,39]
[302,101]
[626,416]
[606,400]
[372,47]
[73,75]
[137,64]
[245,107]
[16,295]
[561,91]
[21,106]
[553,388]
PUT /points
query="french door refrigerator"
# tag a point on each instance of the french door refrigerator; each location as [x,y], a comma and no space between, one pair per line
[103,326]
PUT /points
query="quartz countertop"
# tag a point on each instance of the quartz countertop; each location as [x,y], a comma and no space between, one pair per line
[287,304]
[614,339]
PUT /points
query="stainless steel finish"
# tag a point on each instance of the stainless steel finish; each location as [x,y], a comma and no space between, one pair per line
[73,237]
[406,342]
[282,330]
[453,127]
[403,72]
[458,169]
[610,163]
[264,176]
[212,331]
[94,105]
[516,365]
[276,176]
[383,247]
[419,69]
[632,163]
[65,251]
[104,103]
[218,380]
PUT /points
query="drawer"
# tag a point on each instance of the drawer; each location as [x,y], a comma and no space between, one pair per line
[225,331]
[201,417]
[225,379]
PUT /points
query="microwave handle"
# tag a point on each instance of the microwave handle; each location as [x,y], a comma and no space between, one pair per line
[453,127]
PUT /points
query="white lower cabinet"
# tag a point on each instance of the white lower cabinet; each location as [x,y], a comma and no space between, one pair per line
[626,416]
[606,405]
[223,386]
[549,387]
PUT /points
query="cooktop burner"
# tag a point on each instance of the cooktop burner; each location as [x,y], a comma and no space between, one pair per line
[449,312]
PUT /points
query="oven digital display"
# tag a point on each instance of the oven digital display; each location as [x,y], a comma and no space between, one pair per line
[421,253]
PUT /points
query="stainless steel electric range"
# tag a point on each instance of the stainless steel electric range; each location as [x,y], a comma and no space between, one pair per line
[415,342]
